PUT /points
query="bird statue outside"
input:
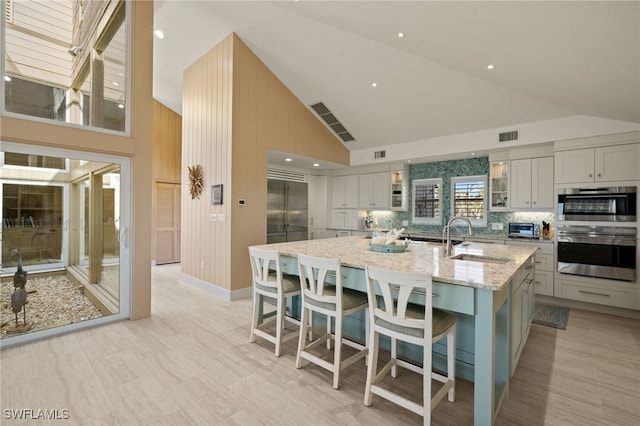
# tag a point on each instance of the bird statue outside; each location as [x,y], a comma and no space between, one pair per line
[19,296]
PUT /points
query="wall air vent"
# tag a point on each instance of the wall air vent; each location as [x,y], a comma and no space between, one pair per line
[379,154]
[8,11]
[289,175]
[508,136]
[331,120]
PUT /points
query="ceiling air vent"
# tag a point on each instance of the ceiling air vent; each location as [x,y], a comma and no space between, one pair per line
[331,120]
[508,136]
[380,154]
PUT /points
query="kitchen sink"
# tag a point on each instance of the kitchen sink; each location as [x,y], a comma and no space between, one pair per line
[480,258]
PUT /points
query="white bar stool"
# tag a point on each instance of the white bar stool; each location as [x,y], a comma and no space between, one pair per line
[331,300]
[420,325]
[269,282]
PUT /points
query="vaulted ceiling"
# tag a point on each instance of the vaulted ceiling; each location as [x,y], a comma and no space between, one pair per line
[551,60]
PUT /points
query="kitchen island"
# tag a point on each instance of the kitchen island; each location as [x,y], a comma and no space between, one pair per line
[478,289]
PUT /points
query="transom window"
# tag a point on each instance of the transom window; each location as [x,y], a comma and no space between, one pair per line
[468,198]
[427,201]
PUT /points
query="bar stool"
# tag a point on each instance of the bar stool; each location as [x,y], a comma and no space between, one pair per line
[420,325]
[269,282]
[322,292]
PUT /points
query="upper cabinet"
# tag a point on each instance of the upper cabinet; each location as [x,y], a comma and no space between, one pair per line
[345,191]
[375,191]
[532,183]
[602,164]
[399,191]
[499,185]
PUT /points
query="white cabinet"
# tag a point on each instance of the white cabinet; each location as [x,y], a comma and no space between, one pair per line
[345,218]
[532,183]
[375,191]
[499,185]
[619,294]
[522,305]
[345,191]
[543,266]
[602,164]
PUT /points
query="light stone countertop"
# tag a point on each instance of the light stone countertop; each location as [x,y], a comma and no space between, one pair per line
[420,257]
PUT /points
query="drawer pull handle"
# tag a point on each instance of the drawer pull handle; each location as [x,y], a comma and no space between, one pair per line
[537,261]
[594,293]
[434,295]
[530,267]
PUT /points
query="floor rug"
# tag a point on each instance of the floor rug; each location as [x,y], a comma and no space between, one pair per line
[551,316]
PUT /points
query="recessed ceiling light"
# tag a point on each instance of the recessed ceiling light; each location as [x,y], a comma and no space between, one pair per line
[400,34]
[473,153]
[7,78]
[374,84]
[408,161]
[288,159]
[490,67]
[159,34]
[316,165]
[121,106]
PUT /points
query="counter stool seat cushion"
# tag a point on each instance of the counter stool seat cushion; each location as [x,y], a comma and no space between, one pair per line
[442,321]
[350,298]
[290,283]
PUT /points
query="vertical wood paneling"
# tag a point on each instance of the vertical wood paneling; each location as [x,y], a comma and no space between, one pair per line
[166,167]
[234,111]
[206,135]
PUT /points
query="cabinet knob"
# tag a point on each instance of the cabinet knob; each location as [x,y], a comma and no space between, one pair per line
[590,175]
[599,174]
[534,202]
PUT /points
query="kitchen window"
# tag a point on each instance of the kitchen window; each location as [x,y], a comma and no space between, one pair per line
[427,201]
[468,198]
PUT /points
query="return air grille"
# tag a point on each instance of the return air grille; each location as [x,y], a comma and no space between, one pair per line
[8,11]
[508,136]
[289,175]
[380,154]
[333,123]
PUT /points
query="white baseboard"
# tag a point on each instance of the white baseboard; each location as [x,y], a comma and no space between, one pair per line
[223,293]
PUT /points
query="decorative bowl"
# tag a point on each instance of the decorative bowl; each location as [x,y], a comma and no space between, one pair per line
[389,248]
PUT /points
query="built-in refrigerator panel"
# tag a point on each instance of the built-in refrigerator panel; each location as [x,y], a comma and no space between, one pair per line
[287,211]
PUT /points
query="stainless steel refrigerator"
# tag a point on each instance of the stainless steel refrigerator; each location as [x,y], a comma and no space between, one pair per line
[287,211]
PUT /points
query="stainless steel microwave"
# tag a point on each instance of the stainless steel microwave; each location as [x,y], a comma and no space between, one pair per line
[609,204]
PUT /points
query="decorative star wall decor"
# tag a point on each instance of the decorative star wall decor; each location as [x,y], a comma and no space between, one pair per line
[196,182]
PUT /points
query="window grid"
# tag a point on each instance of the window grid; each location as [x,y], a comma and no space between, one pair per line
[469,199]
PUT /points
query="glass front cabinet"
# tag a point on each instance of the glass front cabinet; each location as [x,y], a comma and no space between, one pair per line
[499,185]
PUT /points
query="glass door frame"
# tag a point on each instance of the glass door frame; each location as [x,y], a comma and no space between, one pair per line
[125,275]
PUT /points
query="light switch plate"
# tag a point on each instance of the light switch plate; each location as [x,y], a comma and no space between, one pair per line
[497,226]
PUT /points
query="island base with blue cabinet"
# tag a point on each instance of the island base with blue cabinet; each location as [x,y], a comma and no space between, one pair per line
[491,297]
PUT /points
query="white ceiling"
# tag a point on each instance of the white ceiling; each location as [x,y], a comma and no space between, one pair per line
[552,60]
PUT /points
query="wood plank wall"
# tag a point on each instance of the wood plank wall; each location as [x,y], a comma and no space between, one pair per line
[206,115]
[167,158]
[234,111]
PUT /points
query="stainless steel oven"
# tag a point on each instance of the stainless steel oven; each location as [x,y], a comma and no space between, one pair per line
[611,204]
[597,251]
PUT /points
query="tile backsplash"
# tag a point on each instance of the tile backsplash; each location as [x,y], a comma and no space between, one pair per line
[446,170]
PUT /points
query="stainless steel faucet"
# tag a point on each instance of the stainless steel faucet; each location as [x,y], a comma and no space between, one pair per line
[448,248]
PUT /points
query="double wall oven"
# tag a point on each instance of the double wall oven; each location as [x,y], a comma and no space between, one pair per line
[598,250]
